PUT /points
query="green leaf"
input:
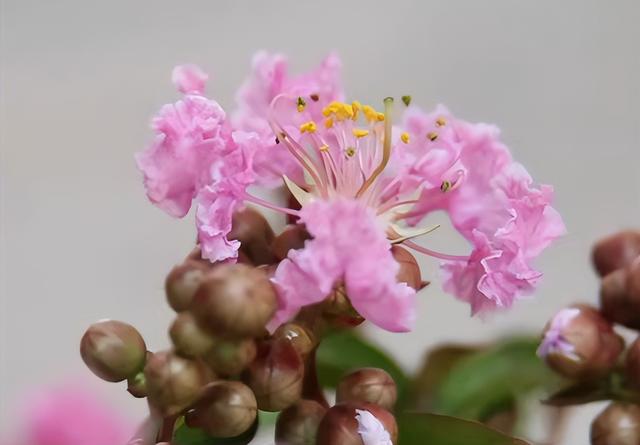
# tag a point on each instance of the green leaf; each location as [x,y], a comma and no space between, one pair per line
[343,351]
[195,436]
[491,378]
[424,428]
[611,387]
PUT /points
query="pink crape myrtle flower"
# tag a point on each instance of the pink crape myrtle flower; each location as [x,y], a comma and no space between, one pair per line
[371,430]
[70,414]
[554,341]
[362,185]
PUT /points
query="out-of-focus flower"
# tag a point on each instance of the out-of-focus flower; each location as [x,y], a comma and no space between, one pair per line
[554,340]
[371,429]
[363,185]
[70,414]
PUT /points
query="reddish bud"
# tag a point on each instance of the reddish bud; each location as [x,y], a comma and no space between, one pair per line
[298,424]
[226,409]
[235,301]
[230,357]
[137,385]
[633,364]
[275,376]
[255,235]
[173,382]
[292,237]
[183,281]
[620,295]
[113,350]
[616,251]
[409,269]
[618,424]
[339,425]
[584,346]
[371,385]
[301,338]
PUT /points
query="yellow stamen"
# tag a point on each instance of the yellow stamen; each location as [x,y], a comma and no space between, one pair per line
[324,148]
[445,186]
[432,135]
[328,122]
[404,137]
[308,127]
[356,107]
[441,122]
[360,133]
[350,151]
[339,110]
[301,104]
[370,113]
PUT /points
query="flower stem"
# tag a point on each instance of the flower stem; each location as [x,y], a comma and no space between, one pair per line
[311,389]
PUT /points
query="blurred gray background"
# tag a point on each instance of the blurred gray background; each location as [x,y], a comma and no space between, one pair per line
[80,80]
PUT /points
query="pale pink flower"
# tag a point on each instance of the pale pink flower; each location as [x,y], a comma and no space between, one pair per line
[371,430]
[362,185]
[554,341]
[349,246]
[189,79]
[71,414]
[190,135]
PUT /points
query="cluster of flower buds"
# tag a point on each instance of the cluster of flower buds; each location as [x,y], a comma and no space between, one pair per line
[225,365]
[580,342]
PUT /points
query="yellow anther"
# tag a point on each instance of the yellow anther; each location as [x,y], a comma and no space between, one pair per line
[328,122]
[339,110]
[445,186]
[324,148]
[380,117]
[432,135]
[441,122]
[350,151]
[404,137]
[356,107]
[359,132]
[308,127]
[370,113]
[301,104]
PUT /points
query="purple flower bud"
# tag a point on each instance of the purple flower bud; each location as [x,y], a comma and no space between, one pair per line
[113,350]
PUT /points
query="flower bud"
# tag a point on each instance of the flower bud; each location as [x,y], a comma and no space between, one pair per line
[340,426]
[371,385]
[187,337]
[301,338]
[579,343]
[113,350]
[275,376]
[618,424]
[298,424]
[616,251]
[255,235]
[632,364]
[183,281]
[230,357]
[137,385]
[234,301]
[620,295]
[226,409]
[173,382]
[292,237]
[409,270]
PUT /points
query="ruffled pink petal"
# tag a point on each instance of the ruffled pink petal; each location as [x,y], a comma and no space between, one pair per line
[350,245]
[189,79]
[190,134]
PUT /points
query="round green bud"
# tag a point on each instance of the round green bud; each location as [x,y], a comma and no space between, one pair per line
[188,338]
[230,357]
[255,235]
[113,350]
[183,282]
